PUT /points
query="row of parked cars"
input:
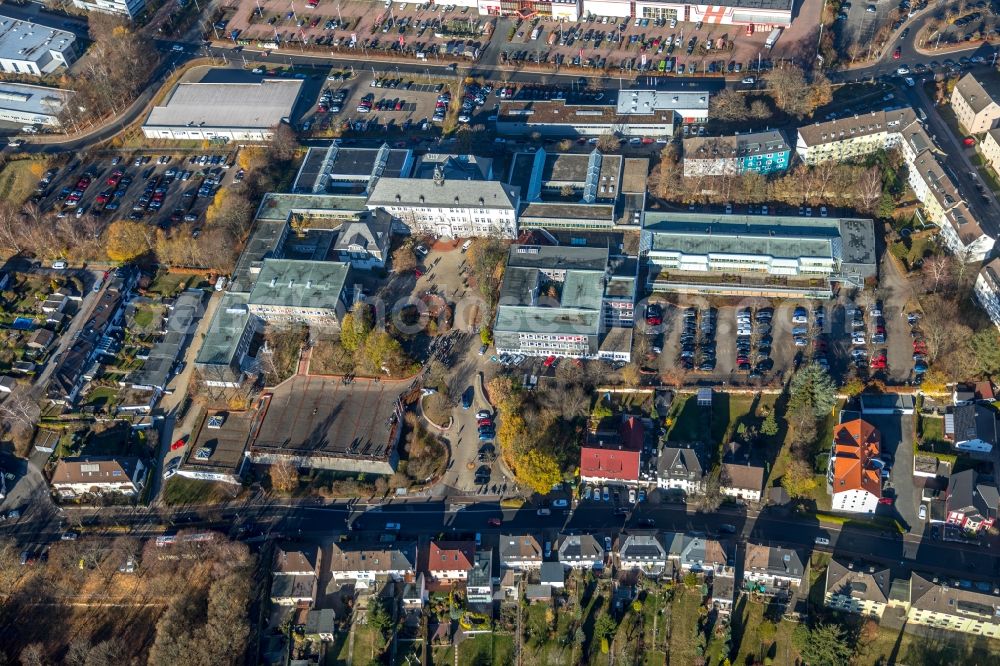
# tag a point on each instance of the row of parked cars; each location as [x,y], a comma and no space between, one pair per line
[697,342]
[754,329]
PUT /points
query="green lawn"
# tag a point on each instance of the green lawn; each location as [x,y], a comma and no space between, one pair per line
[487,649]
[943,649]
[101,396]
[17,182]
[181,490]
[691,424]
[541,645]
[167,284]
[931,429]
[443,655]
[684,613]
[143,317]
[365,640]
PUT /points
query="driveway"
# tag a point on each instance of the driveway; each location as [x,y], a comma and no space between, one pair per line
[897,439]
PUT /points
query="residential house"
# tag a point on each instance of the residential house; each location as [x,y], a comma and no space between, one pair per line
[580,551]
[414,593]
[762,152]
[538,592]
[450,561]
[320,625]
[973,392]
[295,575]
[697,554]
[971,503]
[362,564]
[41,339]
[55,302]
[520,551]
[954,607]
[743,481]
[680,469]
[293,290]
[857,588]
[854,473]
[480,585]
[990,149]
[976,102]
[852,137]
[98,475]
[364,243]
[644,552]
[552,575]
[774,570]
[972,428]
[614,456]
[723,594]
[987,289]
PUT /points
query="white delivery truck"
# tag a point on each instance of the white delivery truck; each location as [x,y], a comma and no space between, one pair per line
[773,37]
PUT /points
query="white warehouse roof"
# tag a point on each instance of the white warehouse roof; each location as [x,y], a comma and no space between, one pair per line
[224,105]
[644,102]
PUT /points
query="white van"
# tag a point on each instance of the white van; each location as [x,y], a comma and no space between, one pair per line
[466,245]
[220,284]
[59,265]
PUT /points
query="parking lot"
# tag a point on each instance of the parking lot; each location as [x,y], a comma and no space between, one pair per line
[167,189]
[758,341]
[437,31]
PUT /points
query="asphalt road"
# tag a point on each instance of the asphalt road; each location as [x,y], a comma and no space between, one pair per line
[466,516]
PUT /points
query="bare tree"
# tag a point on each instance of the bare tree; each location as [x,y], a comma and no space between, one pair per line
[938,272]
[869,189]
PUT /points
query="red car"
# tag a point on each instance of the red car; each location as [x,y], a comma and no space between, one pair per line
[878,364]
[888,501]
[969,141]
[549,361]
[493,522]
[179,444]
[896,54]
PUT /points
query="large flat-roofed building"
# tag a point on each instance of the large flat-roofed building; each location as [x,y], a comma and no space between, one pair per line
[761,152]
[449,208]
[579,191]
[31,49]
[323,423]
[222,357]
[224,111]
[750,255]
[342,170]
[762,14]
[218,450]
[626,113]
[129,8]
[556,301]
[291,290]
[32,105]
[976,101]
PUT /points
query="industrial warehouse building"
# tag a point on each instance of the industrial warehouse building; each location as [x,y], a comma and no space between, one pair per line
[31,105]
[224,111]
[33,49]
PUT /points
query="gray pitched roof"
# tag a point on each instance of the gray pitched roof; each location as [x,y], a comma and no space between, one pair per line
[552,573]
[775,560]
[679,463]
[644,547]
[372,233]
[519,547]
[864,582]
[575,547]
[975,422]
